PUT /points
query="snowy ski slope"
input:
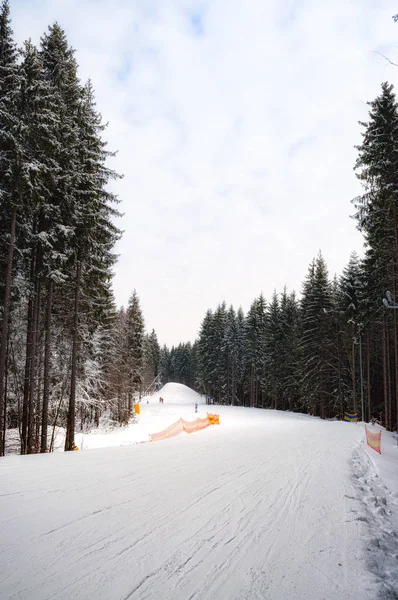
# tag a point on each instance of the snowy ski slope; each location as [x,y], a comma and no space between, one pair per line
[268,505]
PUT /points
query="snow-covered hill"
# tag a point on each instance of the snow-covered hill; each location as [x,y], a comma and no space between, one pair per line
[178,401]
[268,505]
[176,393]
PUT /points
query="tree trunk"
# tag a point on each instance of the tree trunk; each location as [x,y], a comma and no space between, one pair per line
[354,378]
[389,378]
[61,399]
[27,378]
[4,331]
[396,363]
[385,373]
[5,400]
[395,282]
[47,357]
[33,372]
[368,375]
[70,431]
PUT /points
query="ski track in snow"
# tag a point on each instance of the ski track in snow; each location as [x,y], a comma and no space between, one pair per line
[267,506]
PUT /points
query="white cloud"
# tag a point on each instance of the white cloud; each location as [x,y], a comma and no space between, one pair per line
[235,124]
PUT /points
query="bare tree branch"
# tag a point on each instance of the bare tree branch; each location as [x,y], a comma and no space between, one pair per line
[386,57]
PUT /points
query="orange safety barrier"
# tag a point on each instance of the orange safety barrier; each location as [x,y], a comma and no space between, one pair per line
[180,426]
[203,423]
[169,432]
[373,440]
[137,409]
[213,419]
[190,426]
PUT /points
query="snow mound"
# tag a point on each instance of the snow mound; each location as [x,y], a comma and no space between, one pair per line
[176,393]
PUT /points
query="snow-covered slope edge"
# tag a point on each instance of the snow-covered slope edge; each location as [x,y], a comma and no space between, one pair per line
[376,504]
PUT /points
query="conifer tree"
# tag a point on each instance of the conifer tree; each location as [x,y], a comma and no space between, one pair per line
[317,338]
[151,358]
[231,351]
[377,216]
[135,340]
[10,201]
[289,360]
[273,352]
[255,339]
[240,355]
[206,355]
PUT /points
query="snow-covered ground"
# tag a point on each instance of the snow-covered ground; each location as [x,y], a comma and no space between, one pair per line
[178,401]
[268,505]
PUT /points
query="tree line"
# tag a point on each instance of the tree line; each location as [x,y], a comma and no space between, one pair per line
[336,348]
[66,353]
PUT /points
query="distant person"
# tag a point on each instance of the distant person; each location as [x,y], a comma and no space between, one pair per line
[196,407]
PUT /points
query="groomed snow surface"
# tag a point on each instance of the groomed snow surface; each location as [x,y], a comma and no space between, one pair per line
[267,505]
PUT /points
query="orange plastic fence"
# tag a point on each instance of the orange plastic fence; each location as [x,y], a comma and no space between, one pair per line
[190,426]
[169,432]
[203,423]
[213,419]
[178,427]
[373,440]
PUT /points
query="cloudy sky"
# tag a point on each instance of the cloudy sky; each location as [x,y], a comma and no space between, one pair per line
[235,123]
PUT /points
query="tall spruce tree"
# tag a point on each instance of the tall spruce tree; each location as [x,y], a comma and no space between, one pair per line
[273,353]
[289,349]
[317,339]
[377,216]
[231,353]
[11,201]
[135,340]
[40,244]
[255,340]
[205,355]
[240,354]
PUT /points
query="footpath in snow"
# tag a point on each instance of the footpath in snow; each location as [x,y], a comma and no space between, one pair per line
[268,505]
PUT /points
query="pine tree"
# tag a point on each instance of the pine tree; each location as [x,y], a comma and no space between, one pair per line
[164,365]
[317,339]
[231,353]
[289,350]
[349,293]
[377,216]
[135,340]
[151,358]
[218,355]
[10,201]
[255,339]
[205,355]
[240,354]
[273,352]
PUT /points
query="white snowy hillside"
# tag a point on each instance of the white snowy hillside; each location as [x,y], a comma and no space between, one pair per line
[178,401]
[176,393]
[267,505]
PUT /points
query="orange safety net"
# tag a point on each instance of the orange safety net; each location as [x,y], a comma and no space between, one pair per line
[373,440]
[180,426]
[190,426]
[169,432]
[213,419]
[203,423]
